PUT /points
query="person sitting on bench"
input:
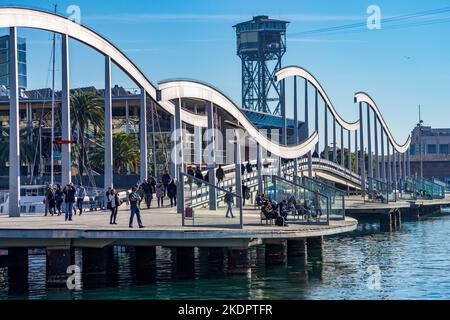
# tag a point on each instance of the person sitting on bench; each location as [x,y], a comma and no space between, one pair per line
[283,209]
[268,211]
[378,196]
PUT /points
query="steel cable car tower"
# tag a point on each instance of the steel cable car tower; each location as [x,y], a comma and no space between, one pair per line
[261,43]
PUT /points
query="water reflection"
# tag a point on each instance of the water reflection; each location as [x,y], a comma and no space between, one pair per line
[413,263]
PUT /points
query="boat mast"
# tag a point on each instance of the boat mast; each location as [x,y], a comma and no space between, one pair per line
[52,139]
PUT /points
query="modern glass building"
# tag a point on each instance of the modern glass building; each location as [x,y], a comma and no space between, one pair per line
[4,61]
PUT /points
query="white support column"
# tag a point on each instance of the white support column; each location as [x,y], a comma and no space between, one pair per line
[14,138]
[408,159]
[334,141]
[361,151]
[316,119]
[342,147]
[383,159]
[155,164]
[211,157]
[400,171]
[66,163]
[356,153]
[394,167]
[143,169]
[404,165]
[326,147]
[349,152]
[307,128]
[237,169]
[369,146]
[172,159]
[389,163]
[260,167]
[179,155]
[198,150]
[108,178]
[377,157]
[296,131]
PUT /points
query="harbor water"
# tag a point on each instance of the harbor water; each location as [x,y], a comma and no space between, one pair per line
[413,263]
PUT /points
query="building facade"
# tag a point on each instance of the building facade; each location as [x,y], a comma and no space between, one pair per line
[4,62]
[434,145]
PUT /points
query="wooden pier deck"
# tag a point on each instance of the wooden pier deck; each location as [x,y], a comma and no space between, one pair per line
[162,227]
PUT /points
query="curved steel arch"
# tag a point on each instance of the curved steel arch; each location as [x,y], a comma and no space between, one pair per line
[364,97]
[183,88]
[291,71]
[38,19]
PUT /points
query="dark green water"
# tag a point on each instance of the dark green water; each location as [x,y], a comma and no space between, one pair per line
[414,263]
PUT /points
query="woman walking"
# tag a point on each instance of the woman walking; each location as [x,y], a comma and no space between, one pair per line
[59,198]
[113,198]
[172,193]
[160,193]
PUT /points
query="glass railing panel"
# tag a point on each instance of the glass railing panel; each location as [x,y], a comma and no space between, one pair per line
[316,204]
[197,211]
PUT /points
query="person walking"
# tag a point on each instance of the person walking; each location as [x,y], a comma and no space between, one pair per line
[49,201]
[148,193]
[59,199]
[113,197]
[245,194]
[199,176]
[249,167]
[81,194]
[69,199]
[220,174]
[229,200]
[134,199]
[165,178]
[160,189]
[172,193]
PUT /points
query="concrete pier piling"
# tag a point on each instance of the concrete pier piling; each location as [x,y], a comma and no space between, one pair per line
[145,264]
[315,243]
[276,252]
[57,262]
[185,261]
[97,260]
[386,222]
[238,261]
[18,270]
[296,248]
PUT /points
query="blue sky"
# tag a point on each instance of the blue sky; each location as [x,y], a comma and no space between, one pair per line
[400,67]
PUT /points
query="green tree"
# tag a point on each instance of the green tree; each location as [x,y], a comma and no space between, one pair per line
[87,114]
[125,153]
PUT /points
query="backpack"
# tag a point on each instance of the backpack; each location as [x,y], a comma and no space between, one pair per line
[279,221]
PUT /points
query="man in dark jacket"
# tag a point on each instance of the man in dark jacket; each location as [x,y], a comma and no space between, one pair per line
[172,193]
[165,179]
[220,174]
[198,175]
[69,199]
[148,193]
[249,167]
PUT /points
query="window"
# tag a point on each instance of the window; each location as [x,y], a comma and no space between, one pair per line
[431,148]
[443,148]
[412,149]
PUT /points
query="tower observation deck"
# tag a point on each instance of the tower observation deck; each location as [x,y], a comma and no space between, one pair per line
[261,43]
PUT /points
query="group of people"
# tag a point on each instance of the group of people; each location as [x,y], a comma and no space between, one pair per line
[69,195]
[273,210]
[166,186]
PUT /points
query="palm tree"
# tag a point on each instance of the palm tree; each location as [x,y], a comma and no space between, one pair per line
[125,151]
[28,150]
[87,117]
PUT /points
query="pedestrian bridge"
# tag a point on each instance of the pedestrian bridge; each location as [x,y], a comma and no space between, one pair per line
[361,155]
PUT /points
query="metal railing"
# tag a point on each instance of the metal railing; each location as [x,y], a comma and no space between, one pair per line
[336,196]
[380,191]
[280,189]
[196,211]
